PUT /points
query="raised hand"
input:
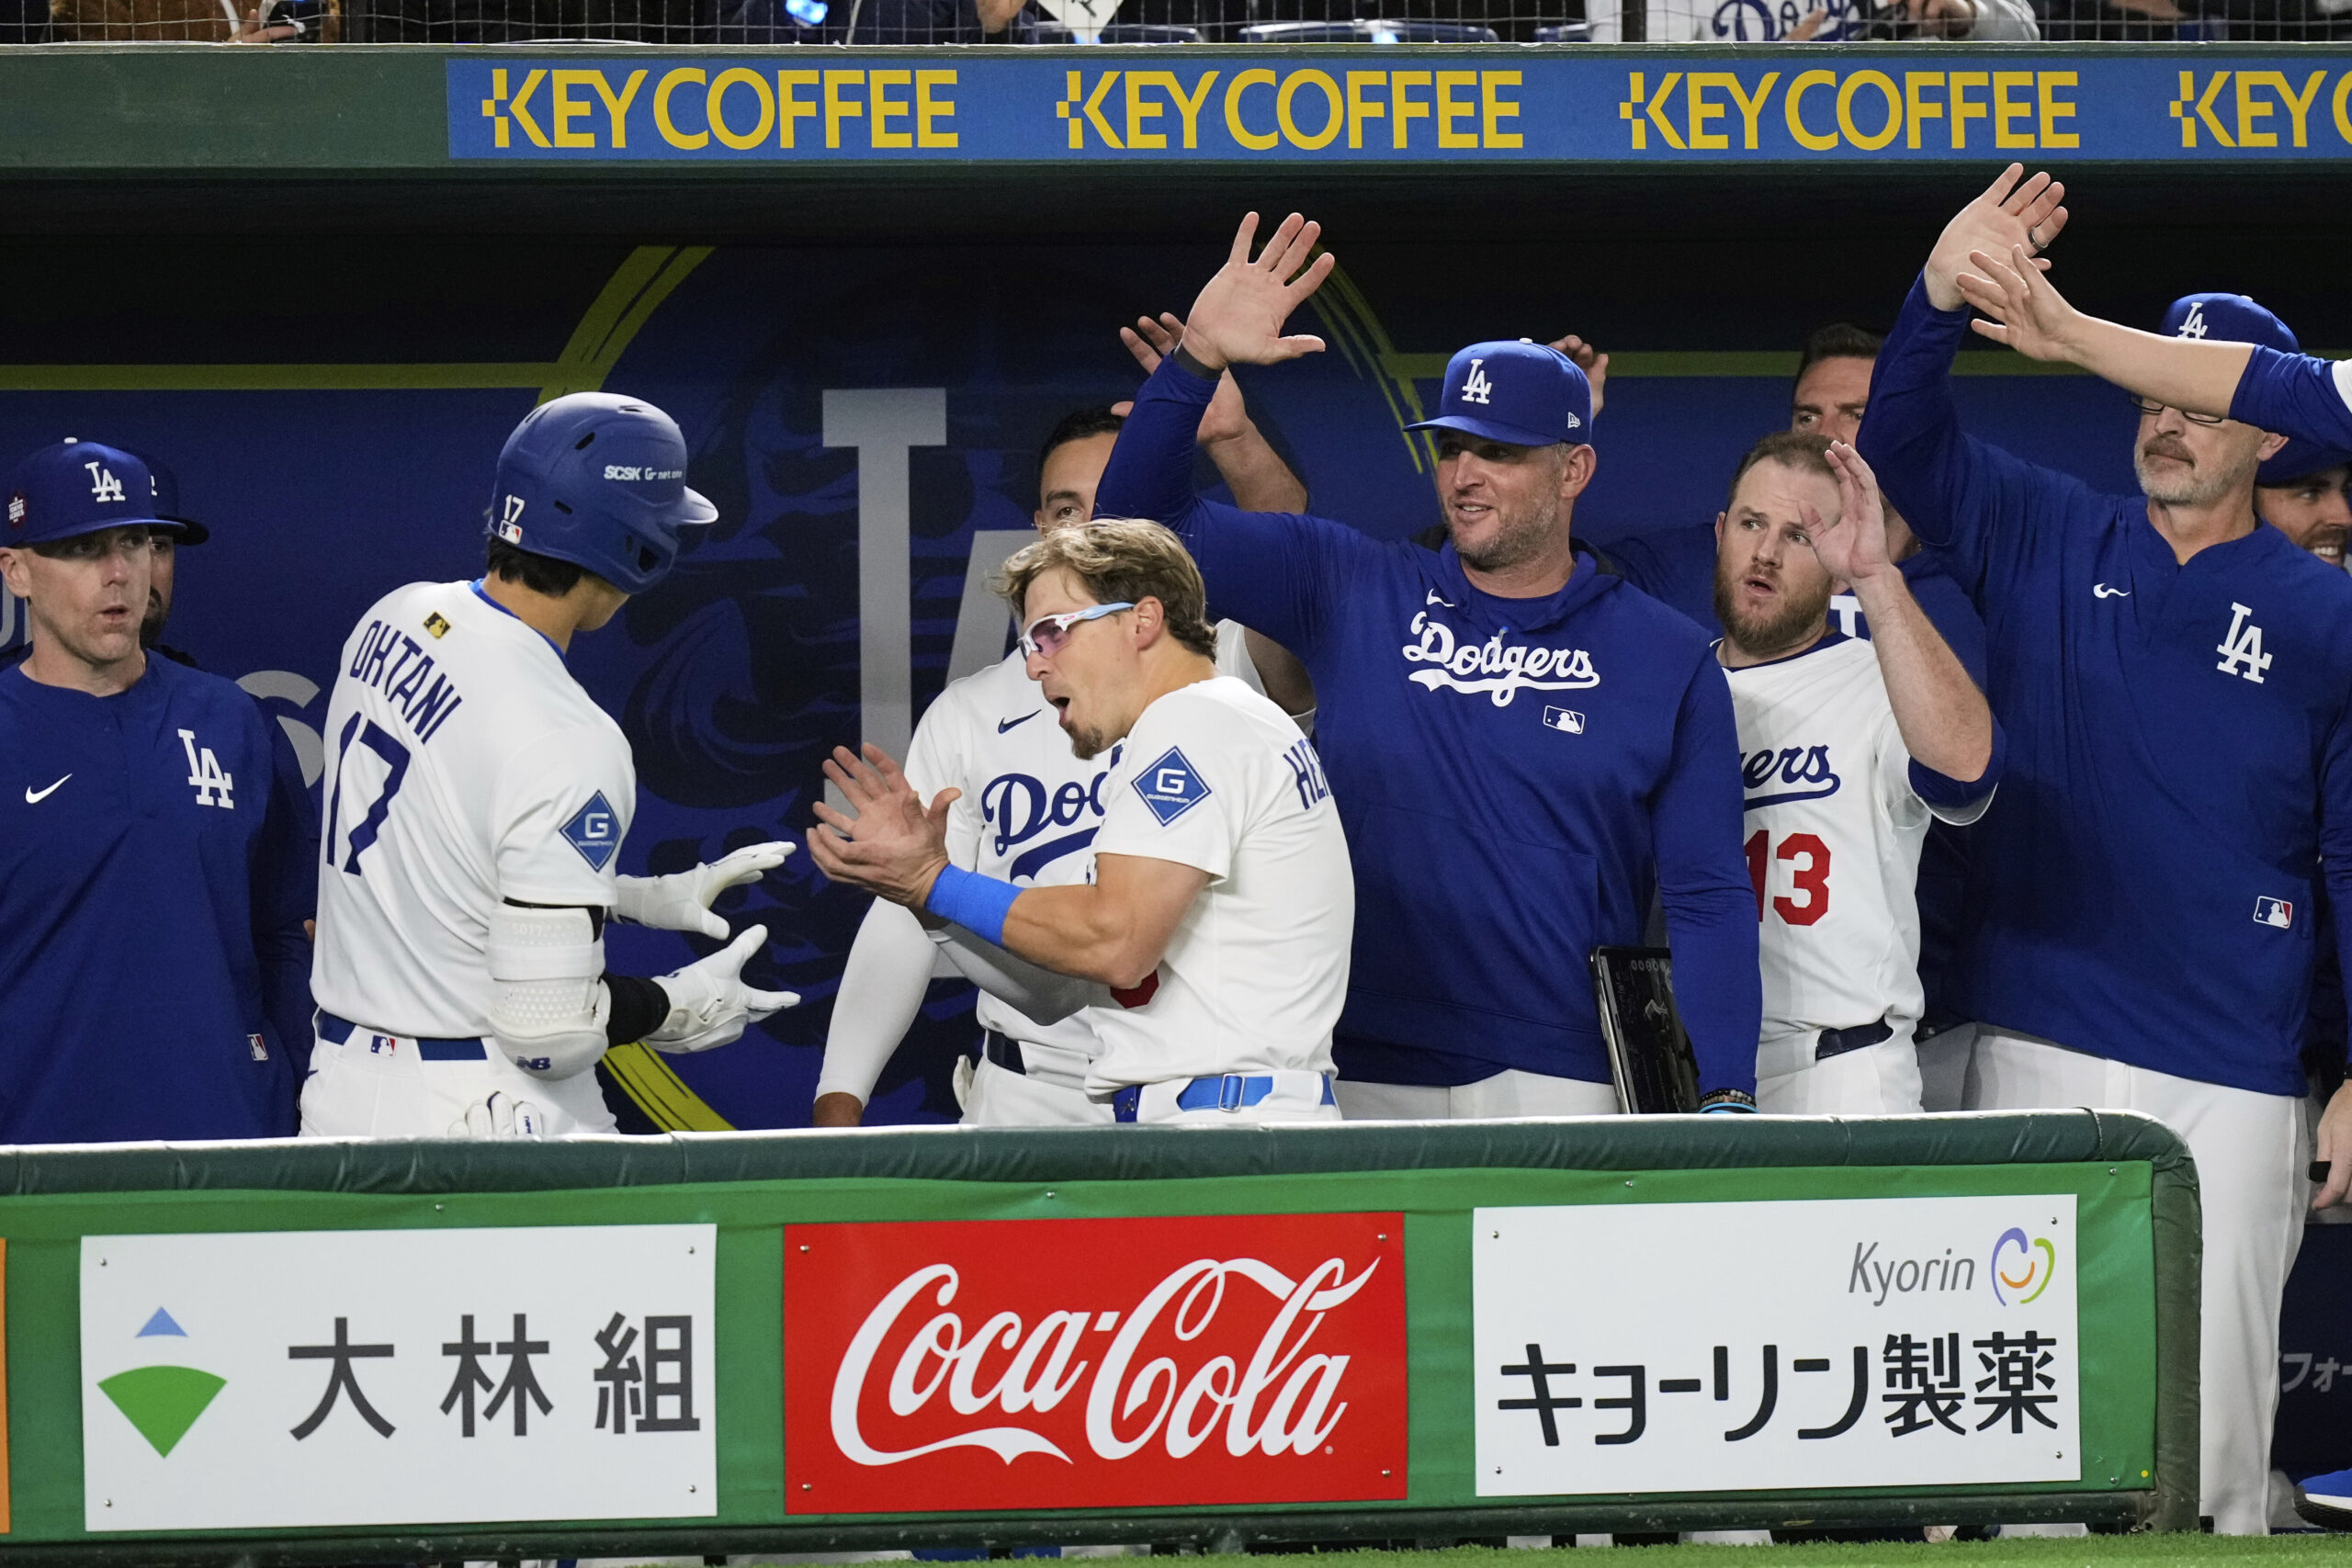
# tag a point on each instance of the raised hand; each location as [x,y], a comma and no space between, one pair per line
[893,846]
[2011,211]
[1589,359]
[1853,547]
[1239,318]
[1151,341]
[2028,313]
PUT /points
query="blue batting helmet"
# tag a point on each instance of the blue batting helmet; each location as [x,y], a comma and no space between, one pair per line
[599,481]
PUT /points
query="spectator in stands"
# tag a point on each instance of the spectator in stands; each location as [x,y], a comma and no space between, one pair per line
[157,871]
[1500,835]
[1823,21]
[1036,1041]
[873,21]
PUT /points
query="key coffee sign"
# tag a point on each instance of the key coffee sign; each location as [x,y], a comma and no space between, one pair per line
[1095,1363]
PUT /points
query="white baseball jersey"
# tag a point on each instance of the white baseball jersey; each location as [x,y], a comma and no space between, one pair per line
[1216,776]
[1833,826]
[464,766]
[1030,808]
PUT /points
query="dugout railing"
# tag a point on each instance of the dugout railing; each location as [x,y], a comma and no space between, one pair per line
[181,1322]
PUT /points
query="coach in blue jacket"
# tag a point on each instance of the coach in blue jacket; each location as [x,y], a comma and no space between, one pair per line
[2175,680]
[1522,747]
[155,856]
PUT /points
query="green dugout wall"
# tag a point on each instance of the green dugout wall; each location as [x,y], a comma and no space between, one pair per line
[318,1344]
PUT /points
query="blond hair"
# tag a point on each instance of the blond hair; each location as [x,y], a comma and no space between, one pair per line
[1120,559]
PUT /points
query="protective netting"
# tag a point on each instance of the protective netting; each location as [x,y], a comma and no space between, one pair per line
[1371,22]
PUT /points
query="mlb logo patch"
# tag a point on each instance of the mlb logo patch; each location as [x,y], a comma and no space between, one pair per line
[1170,787]
[595,830]
[1566,719]
[259,1047]
[2274,912]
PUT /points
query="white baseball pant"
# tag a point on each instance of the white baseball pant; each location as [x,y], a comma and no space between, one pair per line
[1507,1093]
[2251,1152]
[1876,1080]
[1050,1092]
[381,1086]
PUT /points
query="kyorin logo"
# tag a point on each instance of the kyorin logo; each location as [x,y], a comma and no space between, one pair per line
[2029,1272]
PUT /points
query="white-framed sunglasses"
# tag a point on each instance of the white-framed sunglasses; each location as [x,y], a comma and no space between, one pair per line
[1046,634]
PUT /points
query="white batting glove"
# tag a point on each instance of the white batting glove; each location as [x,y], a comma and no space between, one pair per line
[499,1116]
[682,902]
[709,1004]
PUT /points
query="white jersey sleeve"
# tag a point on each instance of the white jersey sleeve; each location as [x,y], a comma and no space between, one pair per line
[1898,785]
[1189,802]
[563,805]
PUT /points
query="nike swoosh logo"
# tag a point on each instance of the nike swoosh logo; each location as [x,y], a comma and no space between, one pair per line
[1433,599]
[2101,591]
[34,797]
[1004,724]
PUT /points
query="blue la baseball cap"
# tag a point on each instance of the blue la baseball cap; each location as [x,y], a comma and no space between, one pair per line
[80,487]
[2234,317]
[1523,393]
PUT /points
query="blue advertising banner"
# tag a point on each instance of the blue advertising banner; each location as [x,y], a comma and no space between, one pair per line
[1579,104]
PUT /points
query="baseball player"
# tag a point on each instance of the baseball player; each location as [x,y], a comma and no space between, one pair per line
[1026,813]
[1220,906]
[1848,750]
[1527,747]
[156,866]
[2176,682]
[476,801]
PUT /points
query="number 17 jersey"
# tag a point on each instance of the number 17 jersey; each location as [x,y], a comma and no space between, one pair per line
[464,766]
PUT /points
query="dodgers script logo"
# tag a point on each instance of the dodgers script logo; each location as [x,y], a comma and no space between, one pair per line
[1803,770]
[1019,808]
[1490,667]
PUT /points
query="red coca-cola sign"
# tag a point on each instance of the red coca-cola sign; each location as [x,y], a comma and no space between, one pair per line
[1000,1364]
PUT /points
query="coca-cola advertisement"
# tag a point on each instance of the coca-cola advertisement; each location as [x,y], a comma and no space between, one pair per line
[1025,1364]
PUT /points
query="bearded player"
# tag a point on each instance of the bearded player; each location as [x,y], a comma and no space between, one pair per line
[476,799]
[1848,750]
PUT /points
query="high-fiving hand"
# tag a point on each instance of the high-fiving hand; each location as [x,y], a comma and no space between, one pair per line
[1239,318]
[1853,546]
[2028,313]
[681,901]
[2011,211]
[1226,418]
[893,846]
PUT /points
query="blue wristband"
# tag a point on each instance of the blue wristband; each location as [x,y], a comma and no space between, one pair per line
[978,903]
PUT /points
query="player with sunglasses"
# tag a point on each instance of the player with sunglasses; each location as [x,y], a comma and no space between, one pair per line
[1221,905]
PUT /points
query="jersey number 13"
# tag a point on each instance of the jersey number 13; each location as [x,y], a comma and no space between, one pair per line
[1809,880]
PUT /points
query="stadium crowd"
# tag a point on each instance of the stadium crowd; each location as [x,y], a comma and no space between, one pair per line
[886,22]
[1947,783]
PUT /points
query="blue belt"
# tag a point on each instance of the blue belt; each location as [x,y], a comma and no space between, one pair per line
[1227,1091]
[335,1030]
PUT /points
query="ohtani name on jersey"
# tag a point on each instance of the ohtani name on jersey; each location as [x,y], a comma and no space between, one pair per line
[1490,667]
[1804,771]
[1020,807]
[390,660]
